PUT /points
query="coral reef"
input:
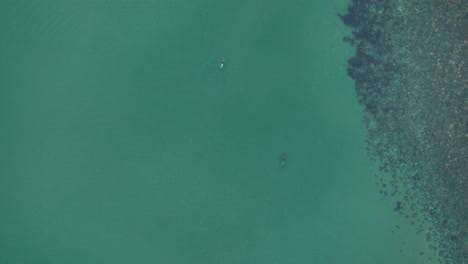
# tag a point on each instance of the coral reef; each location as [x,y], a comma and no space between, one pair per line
[411,78]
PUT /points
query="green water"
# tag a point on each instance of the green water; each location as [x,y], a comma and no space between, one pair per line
[122,142]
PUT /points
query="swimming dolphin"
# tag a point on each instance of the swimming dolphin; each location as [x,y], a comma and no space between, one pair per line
[283,160]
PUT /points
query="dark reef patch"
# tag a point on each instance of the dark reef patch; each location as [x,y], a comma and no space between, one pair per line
[411,78]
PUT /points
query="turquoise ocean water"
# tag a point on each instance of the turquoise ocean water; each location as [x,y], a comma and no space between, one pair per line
[123,142]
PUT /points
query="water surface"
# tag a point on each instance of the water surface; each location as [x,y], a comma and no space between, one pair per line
[122,141]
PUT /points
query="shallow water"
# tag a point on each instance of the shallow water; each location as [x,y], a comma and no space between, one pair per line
[122,143]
